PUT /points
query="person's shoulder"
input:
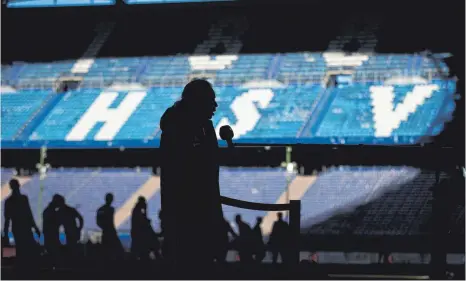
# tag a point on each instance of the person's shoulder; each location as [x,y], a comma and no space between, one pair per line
[170,118]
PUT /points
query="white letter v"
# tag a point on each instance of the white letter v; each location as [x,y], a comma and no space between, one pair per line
[388,118]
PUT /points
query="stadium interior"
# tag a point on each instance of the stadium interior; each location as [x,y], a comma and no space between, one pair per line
[355,108]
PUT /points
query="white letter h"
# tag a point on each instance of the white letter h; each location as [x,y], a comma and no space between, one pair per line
[99,111]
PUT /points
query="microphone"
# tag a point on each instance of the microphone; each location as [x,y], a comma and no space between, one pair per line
[227,134]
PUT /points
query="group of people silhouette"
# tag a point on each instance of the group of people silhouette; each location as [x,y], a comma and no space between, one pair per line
[145,241]
[194,230]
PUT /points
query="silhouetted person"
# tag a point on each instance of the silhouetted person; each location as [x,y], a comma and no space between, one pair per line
[18,212]
[73,223]
[190,193]
[384,257]
[111,244]
[244,241]
[143,238]
[51,227]
[225,245]
[258,242]
[279,239]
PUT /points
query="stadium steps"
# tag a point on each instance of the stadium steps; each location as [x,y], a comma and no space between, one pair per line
[142,69]
[147,190]
[297,189]
[275,67]
[103,32]
[6,187]
[36,118]
[324,100]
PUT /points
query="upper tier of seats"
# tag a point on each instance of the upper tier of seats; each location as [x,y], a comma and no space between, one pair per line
[342,200]
[357,113]
[222,69]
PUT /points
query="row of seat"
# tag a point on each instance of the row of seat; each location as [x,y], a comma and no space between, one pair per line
[289,112]
[341,200]
[227,69]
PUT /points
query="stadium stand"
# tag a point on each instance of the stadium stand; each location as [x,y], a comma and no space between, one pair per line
[294,111]
[344,199]
[289,68]
[85,189]
[285,93]
[6,175]
[299,67]
[345,188]
[262,185]
[18,109]
[396,201]
[359,110]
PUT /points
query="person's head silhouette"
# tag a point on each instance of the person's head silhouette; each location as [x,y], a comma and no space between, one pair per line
[280,216]
[60,200]
[199,97]
[259,220]
[141,204]
[108,199]
[14,186]
[56,200]
[238,218]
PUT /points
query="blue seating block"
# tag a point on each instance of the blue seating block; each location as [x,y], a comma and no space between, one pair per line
[18,109]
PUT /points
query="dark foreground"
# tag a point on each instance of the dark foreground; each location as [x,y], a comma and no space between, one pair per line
[151,270]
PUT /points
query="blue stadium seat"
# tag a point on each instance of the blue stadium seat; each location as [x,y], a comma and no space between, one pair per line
[109,71]
[284,116]
[18,109]
[62,118]
[342,114]
[298,67]
[43,75]
[350,112]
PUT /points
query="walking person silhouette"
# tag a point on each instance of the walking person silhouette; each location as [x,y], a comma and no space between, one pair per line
[17,211]
[144,240]
[111,244]
[51,227]
[190,192]
[279,239]
[73,223]
[244,242]
[258,242]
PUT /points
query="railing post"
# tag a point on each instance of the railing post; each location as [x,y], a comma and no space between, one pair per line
[295,226]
